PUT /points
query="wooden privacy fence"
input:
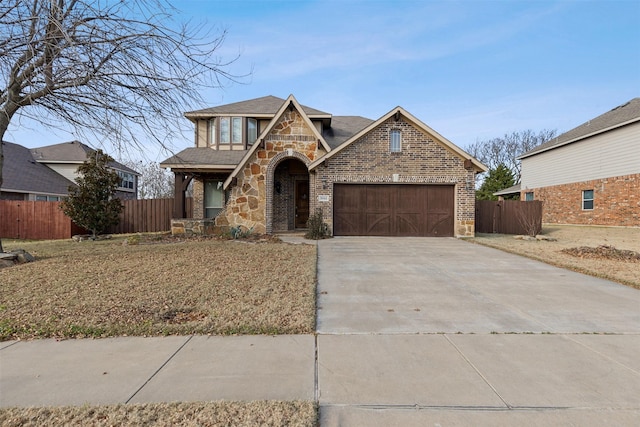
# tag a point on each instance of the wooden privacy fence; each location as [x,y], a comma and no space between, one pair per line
[45,220]
[147,216]
[34,220]
[508,217]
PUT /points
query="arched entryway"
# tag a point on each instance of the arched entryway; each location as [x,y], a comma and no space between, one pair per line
[290,195]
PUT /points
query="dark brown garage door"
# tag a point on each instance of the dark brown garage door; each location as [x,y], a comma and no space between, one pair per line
[393,210]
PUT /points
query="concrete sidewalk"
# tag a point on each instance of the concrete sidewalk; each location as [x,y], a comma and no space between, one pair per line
[136,370]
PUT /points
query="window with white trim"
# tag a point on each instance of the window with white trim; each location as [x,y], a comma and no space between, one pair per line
[43,198]
[395,142]
[127,180]
[587,200]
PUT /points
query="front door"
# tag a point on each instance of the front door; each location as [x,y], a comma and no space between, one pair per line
[302,203]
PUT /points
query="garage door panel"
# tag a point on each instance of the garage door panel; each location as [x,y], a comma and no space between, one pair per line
[408,224]
[393,210]
[350,224]
[378,224]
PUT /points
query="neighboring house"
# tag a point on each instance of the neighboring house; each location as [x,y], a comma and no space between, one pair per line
[591,174]
[25,179]
[267,164]
[45,173]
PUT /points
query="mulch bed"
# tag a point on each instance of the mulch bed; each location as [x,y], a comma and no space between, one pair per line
[604,251]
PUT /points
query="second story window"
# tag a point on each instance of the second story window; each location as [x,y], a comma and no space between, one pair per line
[126,180]
[230,130]
[395,143]
[212,132]
[252,131]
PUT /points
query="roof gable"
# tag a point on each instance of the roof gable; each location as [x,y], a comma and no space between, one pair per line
[620,116]
[397,112]
[289,102]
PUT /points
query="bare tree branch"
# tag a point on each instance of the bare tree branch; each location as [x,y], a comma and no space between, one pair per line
[505,150]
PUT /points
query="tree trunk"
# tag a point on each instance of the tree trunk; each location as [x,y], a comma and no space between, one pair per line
[4,125]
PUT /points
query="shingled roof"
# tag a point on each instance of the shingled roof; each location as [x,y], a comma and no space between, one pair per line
[621,115]
[71,152]
[202,157]
[264,106]
[22,174]
[343,128]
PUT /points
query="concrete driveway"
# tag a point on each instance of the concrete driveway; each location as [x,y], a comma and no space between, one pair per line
[433,331]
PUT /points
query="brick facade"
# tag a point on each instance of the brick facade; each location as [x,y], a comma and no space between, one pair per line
[616,202]
[422,160]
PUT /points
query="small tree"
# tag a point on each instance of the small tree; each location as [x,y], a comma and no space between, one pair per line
[91,204]
[498,179]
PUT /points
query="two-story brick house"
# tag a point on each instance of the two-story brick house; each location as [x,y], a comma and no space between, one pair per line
[268,163]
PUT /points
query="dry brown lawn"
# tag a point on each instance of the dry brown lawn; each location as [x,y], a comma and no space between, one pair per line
[591,257]
[158,286]
[261,413]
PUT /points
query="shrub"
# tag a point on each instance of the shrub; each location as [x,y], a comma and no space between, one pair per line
[317,229]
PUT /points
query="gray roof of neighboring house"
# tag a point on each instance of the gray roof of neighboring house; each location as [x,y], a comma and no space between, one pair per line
[343,128]
[71,152]
[22,174]
[258,106]
[195,157]
[622,114]
[510,190]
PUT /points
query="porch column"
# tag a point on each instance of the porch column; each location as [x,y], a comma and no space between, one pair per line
[182,181]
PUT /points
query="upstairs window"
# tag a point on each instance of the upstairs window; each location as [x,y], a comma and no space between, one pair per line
[395,143]
[126,180]
[252,131]
[230,130]
[225,130]
[212,132]
[587,200]
[236,130]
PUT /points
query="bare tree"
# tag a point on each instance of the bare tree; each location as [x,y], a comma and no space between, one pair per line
[154,182]
[505,150]
[112,68]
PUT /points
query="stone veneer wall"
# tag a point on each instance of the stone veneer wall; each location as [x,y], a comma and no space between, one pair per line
[251,201]
[422,160]
[616,202]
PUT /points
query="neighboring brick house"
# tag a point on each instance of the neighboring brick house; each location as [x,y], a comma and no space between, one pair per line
[591,174]
[267,164]
[45,173]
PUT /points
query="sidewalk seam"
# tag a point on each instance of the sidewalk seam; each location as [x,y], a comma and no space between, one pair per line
[485,379]
[158,370]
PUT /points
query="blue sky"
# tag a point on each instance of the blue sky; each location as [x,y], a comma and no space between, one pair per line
[468,69]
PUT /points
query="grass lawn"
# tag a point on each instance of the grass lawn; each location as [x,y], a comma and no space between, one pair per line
[261,413]
[158,286]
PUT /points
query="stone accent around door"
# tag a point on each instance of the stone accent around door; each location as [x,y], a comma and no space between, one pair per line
[250,201]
